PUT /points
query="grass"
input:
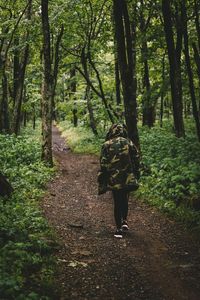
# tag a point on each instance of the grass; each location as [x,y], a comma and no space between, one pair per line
[81,139]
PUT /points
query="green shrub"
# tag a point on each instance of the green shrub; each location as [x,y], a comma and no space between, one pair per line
[26,241]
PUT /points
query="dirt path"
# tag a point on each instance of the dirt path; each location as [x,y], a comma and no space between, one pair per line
[156,260]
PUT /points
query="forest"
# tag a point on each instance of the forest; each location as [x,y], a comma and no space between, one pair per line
[80,66]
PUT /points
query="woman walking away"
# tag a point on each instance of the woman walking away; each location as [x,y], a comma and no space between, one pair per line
[119,172]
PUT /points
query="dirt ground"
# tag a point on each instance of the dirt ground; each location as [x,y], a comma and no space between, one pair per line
[157,259]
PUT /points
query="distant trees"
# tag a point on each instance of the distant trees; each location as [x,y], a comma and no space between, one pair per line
[146,52]
[174,54]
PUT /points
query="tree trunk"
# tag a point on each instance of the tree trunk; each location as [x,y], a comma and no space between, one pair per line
[46,104]
[19,94]
[174,74]
[189,68]
[126,65]
[90,110]
[5,113]
[55,71]
[5,187]
[117,82]
[197,61]
[196,13]
[73,83]
[117,75]
[19,76]
[148,117]
[162,92]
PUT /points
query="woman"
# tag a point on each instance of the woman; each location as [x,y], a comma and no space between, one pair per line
[119,162]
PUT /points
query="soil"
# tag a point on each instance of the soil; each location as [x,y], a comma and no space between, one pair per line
[157,259]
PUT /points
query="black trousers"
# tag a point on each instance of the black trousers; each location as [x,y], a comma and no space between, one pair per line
[120,206]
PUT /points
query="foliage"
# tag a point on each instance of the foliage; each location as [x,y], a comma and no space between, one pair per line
[171,172]
[26,242]
[81,139]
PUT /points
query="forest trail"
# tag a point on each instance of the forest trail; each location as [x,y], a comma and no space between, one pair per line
[157,259]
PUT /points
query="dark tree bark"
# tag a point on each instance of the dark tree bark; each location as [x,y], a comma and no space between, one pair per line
[4,48]
[75,115]
[19,93]
[162,92]
[117,75]
[117,82]
[46,104]
[197,61]
[90,110]
[196,58]
[196,12]
[73,83]
[174,70]
[5,187]
[189,68]
[72,92]
[148,106]
[19,77]
[55,71]
[4,114]
[125,56]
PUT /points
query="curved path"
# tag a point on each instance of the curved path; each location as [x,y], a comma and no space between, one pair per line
[156,260]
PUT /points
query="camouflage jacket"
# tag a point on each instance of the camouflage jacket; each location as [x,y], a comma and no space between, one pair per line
[119,162]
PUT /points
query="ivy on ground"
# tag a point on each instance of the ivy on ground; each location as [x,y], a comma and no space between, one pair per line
[27,243]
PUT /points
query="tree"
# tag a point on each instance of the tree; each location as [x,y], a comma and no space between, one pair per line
[127,71]
[46,103]
[174,61]
[20,64]
[189,67]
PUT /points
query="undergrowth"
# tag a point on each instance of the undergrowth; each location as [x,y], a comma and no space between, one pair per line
[81,139]
[171,173]
[26,242]
[170,167]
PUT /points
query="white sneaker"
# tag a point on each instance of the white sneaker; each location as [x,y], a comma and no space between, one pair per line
[125,226]
[118,234]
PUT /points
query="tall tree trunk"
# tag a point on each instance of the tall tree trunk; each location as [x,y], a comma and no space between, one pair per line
[147,106]
[90,110]
[117,74]
[72,93]
[4,104]
[117,81]
[162,92]
[19,93]
[46,104]
[196,12]
[189,68]
[55,71]
[174,74]
[19,77]
[197,61]
[125,57]
[73,83]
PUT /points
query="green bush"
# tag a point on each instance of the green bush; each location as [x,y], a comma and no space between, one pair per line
[26,242]
[171,172]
